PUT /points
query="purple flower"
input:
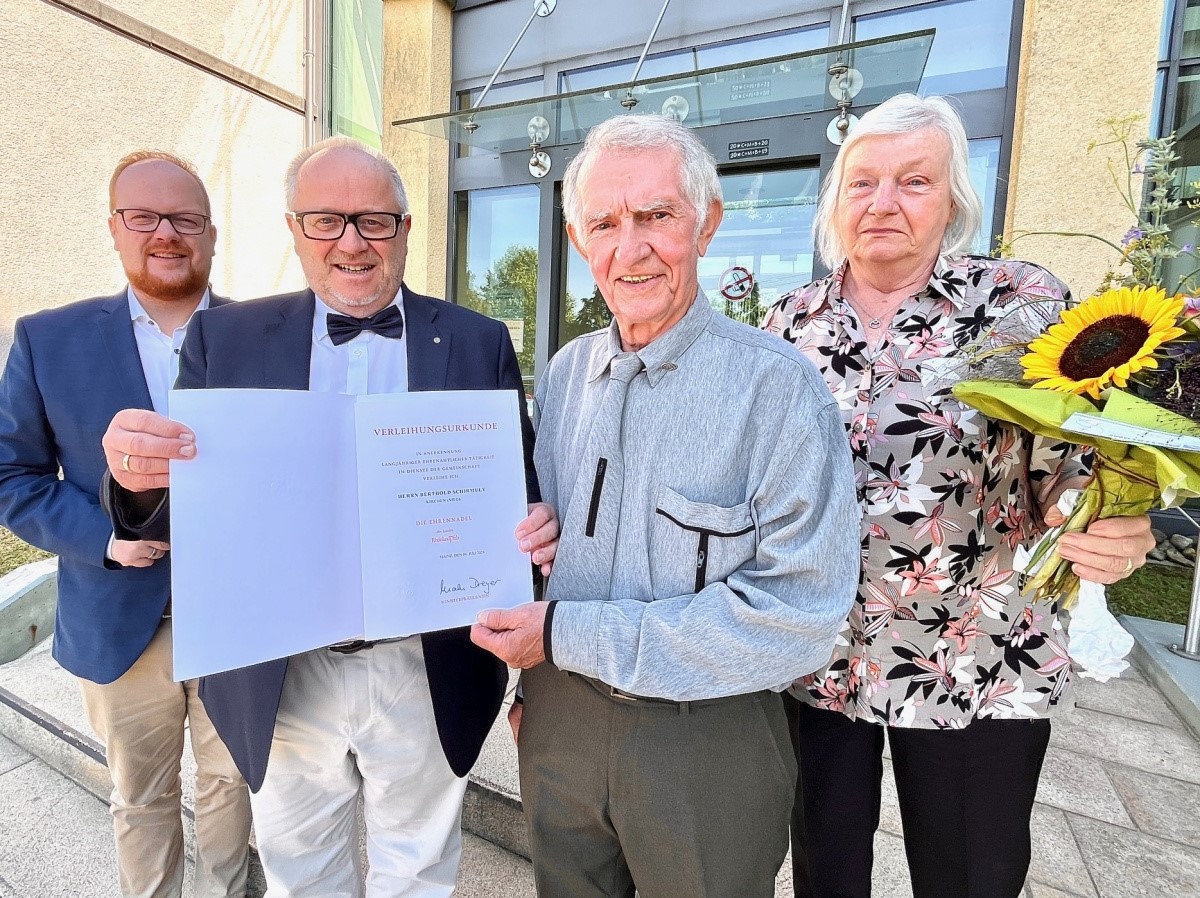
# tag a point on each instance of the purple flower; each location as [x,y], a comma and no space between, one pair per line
[1134,233]
[1137,168]
[1187,248]
[1191,305]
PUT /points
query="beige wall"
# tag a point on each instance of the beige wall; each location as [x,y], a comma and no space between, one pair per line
[416,82]
[1081,61]
[264,37]
[80,98]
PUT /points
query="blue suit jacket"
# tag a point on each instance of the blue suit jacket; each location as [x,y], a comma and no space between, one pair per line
[267,343]
[69,371]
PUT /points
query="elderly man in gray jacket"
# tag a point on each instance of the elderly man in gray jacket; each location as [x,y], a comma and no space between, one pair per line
[708,554]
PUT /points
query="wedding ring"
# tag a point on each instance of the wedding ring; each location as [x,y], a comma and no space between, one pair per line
[125,463]
[1128,567]
[154,554]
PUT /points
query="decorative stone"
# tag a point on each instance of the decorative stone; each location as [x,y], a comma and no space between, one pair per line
[1176,556]
[1179,541]
[1157,554]
[1158,535]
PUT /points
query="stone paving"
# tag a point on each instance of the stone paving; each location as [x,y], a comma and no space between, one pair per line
[56,840]
[1118,815]
[1118,811]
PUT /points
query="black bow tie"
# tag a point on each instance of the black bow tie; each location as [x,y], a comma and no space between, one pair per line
[388,322]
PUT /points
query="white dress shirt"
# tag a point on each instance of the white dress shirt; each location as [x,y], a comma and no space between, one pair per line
[158,351]
[159,355]
[367,364]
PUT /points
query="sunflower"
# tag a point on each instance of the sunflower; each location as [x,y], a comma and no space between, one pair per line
[1103,340]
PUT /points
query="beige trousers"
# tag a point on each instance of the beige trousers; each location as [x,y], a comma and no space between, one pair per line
[141,718]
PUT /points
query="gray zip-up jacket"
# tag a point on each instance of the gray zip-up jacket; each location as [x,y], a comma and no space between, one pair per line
[736,548]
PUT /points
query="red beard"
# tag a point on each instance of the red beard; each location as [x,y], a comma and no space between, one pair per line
[177,288]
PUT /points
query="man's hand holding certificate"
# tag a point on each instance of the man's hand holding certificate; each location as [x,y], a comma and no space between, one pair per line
[306,519]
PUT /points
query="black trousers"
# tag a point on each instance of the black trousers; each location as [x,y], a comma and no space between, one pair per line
[966,797]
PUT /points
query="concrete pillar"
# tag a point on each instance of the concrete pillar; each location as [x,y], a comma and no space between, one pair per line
[416,82]
[1081,61]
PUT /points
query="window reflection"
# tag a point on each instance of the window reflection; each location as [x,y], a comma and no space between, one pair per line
[497,262]
[970,49]
[1187,100]
[1191,30]
[984,167]
[694,59]
[764,246]
[355,75]
[582,309]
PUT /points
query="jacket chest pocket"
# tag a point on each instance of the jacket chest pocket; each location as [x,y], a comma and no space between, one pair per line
[694,544]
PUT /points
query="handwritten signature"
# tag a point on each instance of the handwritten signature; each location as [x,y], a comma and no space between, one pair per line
[472,584]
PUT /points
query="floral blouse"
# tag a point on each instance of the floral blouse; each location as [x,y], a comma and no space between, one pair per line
[940,632]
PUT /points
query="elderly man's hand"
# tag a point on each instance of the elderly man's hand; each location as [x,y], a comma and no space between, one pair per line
[139,443]
[1109,550]
[514,636]
[538,535]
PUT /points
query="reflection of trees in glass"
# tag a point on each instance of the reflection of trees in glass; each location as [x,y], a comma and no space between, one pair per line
[748,311]
[509,293]
[591,315]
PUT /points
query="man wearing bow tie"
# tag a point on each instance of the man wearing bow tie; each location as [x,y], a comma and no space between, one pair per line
[397,722]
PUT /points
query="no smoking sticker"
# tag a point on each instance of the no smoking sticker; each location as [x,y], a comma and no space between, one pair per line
[736,283]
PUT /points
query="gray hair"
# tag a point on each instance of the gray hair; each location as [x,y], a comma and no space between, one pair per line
[903,114]
[698,169]
[292,177]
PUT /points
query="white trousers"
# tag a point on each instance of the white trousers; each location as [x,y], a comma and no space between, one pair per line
[351,725]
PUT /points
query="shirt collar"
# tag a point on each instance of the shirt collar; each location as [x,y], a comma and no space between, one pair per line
[948,282]
[138,313]
[321,322]
[660,355]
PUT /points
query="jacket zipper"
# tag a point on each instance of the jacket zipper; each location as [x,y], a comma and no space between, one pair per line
[597,489]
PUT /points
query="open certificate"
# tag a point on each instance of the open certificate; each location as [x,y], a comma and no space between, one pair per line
[307,519]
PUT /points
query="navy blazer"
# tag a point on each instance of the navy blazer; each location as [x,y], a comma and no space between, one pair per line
[267,343]
[69,371]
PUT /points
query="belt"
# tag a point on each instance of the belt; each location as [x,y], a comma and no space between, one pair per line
[357,645]
[622,697]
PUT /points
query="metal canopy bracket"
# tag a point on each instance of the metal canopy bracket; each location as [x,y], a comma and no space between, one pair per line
[867,73]
[541,9]
[629,100]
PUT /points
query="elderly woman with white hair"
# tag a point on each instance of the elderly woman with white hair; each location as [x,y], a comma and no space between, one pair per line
[942,652]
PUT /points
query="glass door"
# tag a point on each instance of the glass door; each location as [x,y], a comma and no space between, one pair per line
[496,269]
[764,247]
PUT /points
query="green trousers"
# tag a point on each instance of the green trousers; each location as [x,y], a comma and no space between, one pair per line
[671,800]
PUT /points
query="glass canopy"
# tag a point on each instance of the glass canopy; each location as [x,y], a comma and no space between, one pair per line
[767,88]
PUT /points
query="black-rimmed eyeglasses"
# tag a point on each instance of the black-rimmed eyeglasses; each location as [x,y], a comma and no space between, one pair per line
[331,225]
[145,221]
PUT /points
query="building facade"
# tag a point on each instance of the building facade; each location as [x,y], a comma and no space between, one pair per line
[236,86]
[1034,80]
[240,85]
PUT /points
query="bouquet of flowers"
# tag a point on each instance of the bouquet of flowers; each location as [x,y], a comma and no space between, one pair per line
[1118,372]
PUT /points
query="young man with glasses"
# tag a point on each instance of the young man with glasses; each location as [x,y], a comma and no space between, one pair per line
[399,722]
[69,371]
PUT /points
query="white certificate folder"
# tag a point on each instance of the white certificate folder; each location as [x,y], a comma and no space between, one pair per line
[308,519]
